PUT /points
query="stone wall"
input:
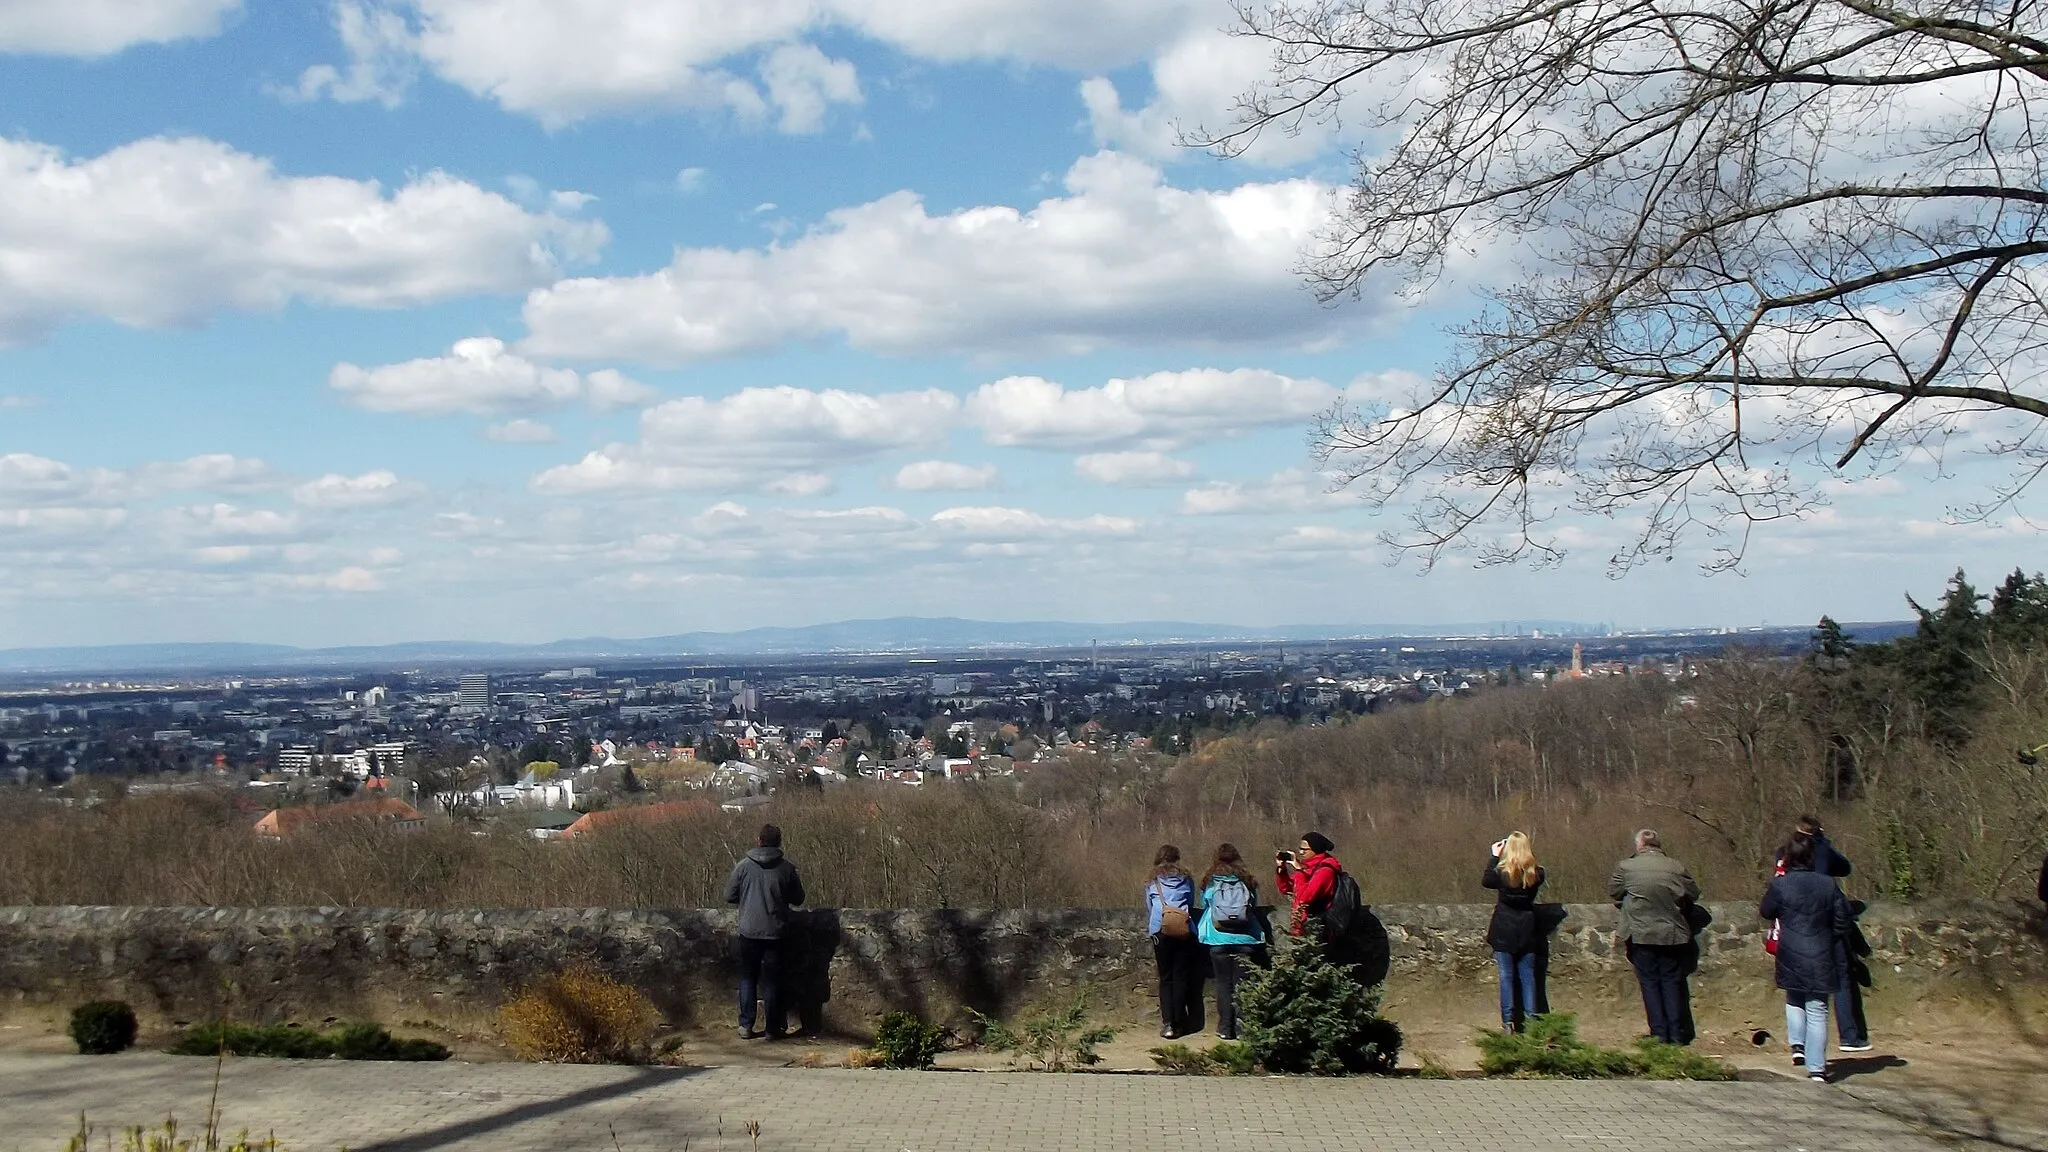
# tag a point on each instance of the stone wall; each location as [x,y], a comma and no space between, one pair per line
[184,964]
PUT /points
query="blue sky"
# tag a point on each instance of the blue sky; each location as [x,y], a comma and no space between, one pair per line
[519,319]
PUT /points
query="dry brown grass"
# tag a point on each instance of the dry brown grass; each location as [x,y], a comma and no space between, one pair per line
[580,1016]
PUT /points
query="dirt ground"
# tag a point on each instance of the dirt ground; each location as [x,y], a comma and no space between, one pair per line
[1970,1063]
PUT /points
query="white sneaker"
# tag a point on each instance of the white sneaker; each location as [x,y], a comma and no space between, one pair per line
[1853,1048]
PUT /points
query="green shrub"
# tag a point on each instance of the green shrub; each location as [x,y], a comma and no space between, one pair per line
[1054,1041]
[1550,1046]
[1229,1058]
[1305,1014]
[904,1041]
[103,1027]
[1656,1060]
[1181,1060]
[350,1042]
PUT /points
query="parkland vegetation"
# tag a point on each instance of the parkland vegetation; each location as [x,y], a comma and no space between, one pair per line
[1921,754]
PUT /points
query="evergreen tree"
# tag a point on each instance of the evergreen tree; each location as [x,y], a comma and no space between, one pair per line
[1940,661]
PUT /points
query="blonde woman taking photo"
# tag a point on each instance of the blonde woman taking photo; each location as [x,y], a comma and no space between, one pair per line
[1514,935]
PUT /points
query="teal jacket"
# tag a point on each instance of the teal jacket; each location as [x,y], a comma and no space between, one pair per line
[1207,932]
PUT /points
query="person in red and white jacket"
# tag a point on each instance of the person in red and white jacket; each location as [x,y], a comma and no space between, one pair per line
[1309,875]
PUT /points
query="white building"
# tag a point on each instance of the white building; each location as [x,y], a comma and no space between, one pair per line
[474,691]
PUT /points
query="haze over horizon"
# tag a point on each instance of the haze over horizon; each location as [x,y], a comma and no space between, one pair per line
[373,320]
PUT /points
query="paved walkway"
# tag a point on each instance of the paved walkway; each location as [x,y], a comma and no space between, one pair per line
[519,1107]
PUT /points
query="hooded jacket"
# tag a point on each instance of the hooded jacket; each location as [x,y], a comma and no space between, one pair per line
[765,886]
[1814,926]
[1177,889]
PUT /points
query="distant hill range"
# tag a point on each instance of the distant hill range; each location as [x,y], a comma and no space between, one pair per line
[902,634]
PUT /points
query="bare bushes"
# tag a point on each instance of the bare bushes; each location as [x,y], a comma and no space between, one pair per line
[580,1016]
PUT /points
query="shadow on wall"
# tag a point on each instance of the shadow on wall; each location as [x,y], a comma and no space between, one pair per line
[849,966]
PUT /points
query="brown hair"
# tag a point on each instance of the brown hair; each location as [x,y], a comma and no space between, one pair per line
[1166,862]
[1228,863]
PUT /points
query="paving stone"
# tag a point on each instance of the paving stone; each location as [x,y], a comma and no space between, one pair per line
[377,1107]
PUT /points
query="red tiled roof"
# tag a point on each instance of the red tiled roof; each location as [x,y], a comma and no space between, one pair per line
[638,814]
[378,808]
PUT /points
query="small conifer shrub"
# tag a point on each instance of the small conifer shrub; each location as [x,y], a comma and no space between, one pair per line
[1307,1014]
[904,1041]
[103,1027]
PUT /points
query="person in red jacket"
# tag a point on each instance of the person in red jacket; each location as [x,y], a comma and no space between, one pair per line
[1309,877]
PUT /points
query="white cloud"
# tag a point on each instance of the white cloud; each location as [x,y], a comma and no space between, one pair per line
[102,27]
[164,232]
[690,181]
[756,437]
[14,401]
[804,83]
[213,472]
[1022,524]
[231,521]
[1164,408]
[368,490]
[564,60]
[1132,468]
[1290,491]
[944,476]
[29,479]
[520,431]
[799,484]
[63,521]
[381,61]
[353,578]
[478,375]
[1196,82]
[1122,259]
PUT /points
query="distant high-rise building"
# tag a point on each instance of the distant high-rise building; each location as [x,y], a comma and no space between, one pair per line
[474,692]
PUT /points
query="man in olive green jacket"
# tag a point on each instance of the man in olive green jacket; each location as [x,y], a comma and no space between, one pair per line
[1653,890]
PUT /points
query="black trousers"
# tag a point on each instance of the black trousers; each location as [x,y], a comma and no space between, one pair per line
[1227,961]
[1667,1001]
[1849,1022]
[761,979]
[1180,982]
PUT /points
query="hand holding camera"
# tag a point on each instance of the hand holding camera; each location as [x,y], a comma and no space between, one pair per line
[1498,845]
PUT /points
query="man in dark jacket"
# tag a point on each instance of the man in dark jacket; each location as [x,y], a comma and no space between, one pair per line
[765,886]
[1850,1022]
[1652,890]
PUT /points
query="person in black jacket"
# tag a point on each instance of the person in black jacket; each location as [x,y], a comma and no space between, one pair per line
[1814,922]
[1850,1024]
[1513,933]
[765,886]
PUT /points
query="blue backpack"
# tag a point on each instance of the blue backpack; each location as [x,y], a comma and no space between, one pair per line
[1230,910]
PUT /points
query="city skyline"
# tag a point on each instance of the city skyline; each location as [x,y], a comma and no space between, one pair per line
[361,323]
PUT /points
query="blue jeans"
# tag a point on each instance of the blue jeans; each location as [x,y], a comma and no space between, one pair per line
[1806,1026]
[1516,972]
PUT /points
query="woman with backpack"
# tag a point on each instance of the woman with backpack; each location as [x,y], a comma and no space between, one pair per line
[1514,934]
[1170,918]
[1230,927]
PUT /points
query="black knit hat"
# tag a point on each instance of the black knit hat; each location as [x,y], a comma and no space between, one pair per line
[1318,843]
